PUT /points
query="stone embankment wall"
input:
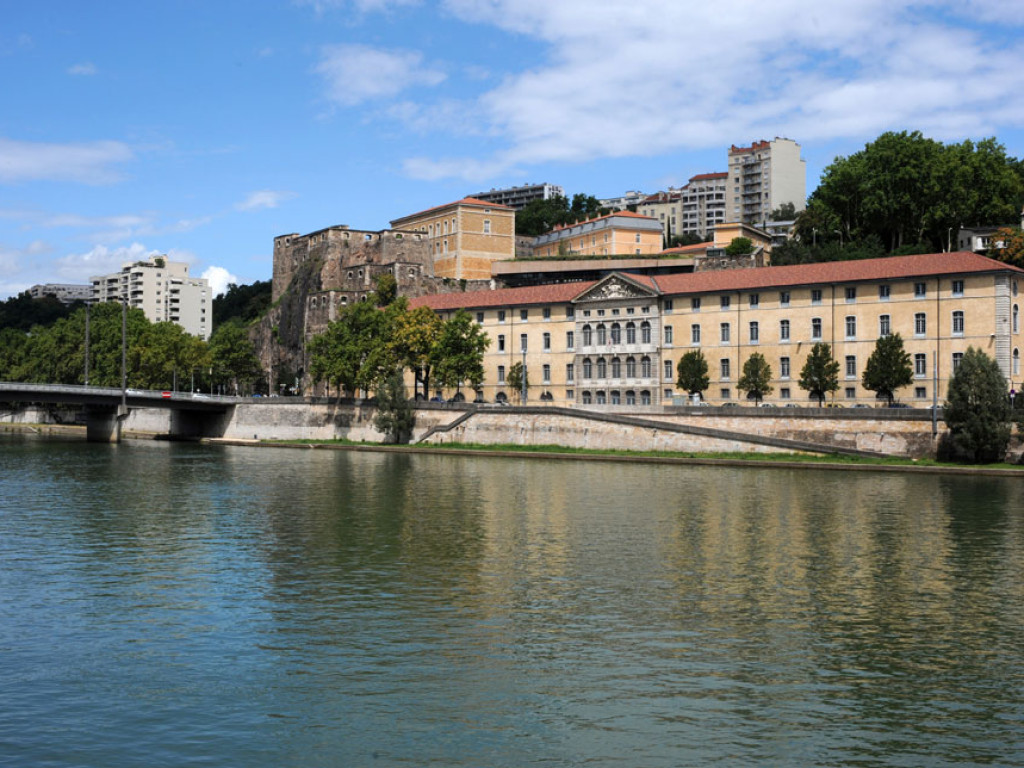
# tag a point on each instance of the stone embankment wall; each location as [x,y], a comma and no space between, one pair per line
[892,433]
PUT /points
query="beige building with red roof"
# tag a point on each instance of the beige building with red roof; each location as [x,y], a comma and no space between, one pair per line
[615,343]
[465,237]
[622,233]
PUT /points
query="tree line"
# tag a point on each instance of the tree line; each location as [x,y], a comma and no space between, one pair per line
[977,409]
[905,193]
[158,355]
[372,339]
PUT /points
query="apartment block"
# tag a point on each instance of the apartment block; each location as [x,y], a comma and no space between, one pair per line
[519,197]
[163,290]
[465,237]
[762,177]
[65,293]
[614,343]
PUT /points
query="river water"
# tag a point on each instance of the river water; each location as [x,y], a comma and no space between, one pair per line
[170,605]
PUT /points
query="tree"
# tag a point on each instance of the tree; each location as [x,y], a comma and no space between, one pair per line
[162,351]
[394,417]
[415,336]
[740,246]
[977,409]
[785,212]
[888,368]
[352,353]
[820,374]
[518,380]
[459,353]
[540,216]
[385,289]
[1007,245]
[692,372]
[756,378]
[233,356]
[242,302]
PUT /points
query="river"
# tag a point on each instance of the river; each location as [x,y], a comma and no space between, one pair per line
[173,604]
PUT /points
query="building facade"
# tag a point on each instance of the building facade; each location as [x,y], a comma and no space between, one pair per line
[666,207]
[65,293]
[465,237]
[621,233]
[762,177]
[703,204]
[518,197]
[616,342]
[163,290]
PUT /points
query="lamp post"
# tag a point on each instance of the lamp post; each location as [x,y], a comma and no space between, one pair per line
[523,376]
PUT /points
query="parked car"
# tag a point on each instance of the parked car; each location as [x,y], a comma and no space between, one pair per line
[767,405]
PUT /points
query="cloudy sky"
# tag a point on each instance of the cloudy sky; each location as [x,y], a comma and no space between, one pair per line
[204,129]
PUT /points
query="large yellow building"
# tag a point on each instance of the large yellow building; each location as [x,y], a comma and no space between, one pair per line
[465,236]
[615,343]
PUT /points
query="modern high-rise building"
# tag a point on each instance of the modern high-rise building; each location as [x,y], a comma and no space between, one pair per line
[65,293]
[163,290]
[764,176]
[704,206]
[518,197]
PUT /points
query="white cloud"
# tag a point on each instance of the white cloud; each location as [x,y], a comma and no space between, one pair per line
[85,68]
[101,260]
[360,6]
[644,79]
[359,73]
[264,198]
[219,279]
[88,163]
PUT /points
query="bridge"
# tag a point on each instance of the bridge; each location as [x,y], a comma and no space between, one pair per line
[106,408]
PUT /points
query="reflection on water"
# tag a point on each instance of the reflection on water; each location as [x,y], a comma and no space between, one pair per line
[168,604]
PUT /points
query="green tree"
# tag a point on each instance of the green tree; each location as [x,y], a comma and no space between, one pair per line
[22,312]
[977,409]
[785,212]
[233,357]
[515,381]
[540,216]
[692,372]
[740,246]
[820,374]
[12,352]
[395,416]
[385,289]
[459,353]
[1007,246]
[756,378]
[242,302]
[353,354]
[888,368]
[163,351]
[415,336]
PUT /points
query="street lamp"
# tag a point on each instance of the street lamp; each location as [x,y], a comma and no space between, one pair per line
[523,376]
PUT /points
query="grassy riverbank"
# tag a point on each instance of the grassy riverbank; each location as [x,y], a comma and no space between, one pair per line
[754,459]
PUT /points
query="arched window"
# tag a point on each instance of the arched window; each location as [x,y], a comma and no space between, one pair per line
[645,397]
[631,333]
[587,335]
[616,397]
[630,367]
[602,370]
[645,332]
[1016,319]
[586,398]
[645,367]
[616,333]
[600,397]
[602,335]
[1016,362]
[616,368]
[587,368]
[630,397]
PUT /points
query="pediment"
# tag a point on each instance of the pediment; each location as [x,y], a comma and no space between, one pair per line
[616,288]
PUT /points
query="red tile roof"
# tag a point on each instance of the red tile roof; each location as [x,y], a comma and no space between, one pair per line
[704,176]
[890,268]
[468,201]
[833,272]
[756,145]
[620,214]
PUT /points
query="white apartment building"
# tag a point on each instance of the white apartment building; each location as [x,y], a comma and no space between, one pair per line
[762,177]
[703,204]
[518,197]
[163,290]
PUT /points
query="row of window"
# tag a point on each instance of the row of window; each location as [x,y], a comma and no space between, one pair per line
[614,397]
[850,295]
[849,324]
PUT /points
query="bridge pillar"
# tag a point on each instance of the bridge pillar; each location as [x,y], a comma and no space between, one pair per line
[103,425]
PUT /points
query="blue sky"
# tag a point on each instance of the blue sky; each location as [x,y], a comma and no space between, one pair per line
[204,129]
